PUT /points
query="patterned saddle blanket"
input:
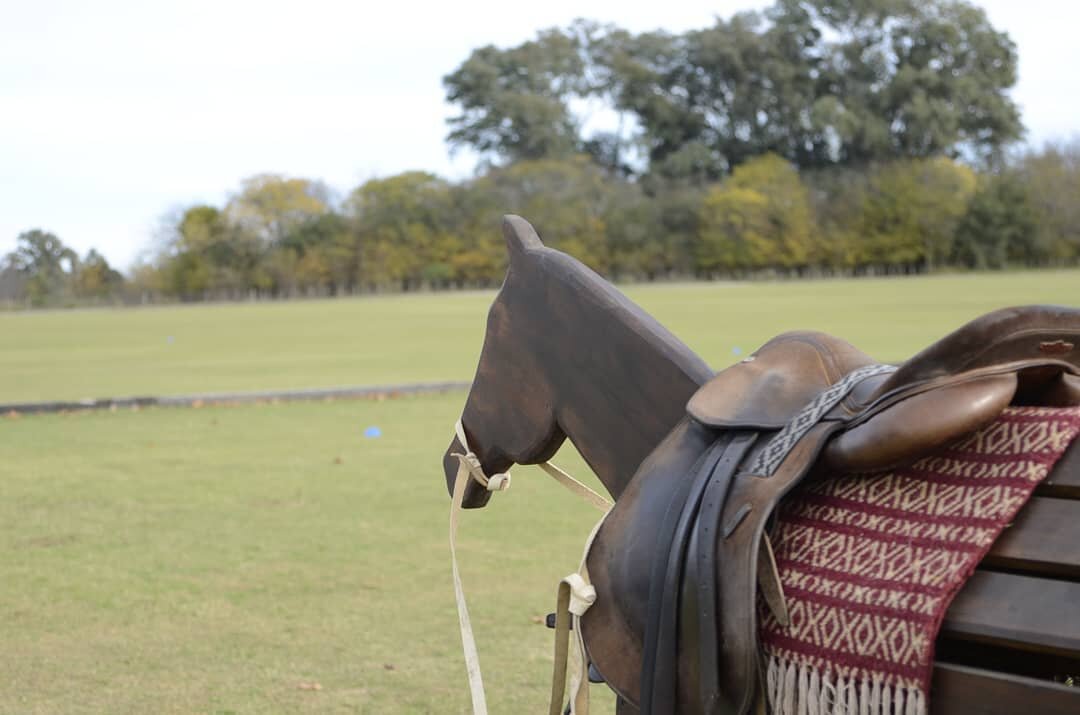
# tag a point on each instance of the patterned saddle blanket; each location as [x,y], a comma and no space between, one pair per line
[870,563]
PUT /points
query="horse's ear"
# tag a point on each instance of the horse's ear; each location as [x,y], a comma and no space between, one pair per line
[520,236]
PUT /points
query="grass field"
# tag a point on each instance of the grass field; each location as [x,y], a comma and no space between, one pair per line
[224,560]
[369,341]
[218,560]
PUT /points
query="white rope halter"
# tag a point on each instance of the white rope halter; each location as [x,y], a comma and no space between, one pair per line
[575,592]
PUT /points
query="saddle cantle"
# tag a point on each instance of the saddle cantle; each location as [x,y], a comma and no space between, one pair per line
[698,507]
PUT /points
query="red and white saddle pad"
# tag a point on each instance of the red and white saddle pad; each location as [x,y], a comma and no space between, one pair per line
[870,563]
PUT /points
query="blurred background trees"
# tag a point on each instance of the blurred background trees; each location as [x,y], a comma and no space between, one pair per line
[42,270]
[818,137]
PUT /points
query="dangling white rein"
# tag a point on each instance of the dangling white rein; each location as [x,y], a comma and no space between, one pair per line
[575,592]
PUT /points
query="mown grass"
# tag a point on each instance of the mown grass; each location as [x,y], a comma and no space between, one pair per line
[203,348]
[219,560]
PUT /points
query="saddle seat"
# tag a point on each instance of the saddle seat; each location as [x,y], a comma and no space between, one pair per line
[697,509]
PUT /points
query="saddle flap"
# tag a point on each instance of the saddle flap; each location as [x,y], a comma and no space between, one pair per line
[920,424]
[767,389]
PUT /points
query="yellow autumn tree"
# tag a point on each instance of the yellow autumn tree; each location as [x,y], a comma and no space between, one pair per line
[758,218]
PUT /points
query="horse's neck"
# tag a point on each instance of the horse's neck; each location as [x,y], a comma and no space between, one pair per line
[623,386]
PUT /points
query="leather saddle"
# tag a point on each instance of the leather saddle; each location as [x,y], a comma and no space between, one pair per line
[678,562]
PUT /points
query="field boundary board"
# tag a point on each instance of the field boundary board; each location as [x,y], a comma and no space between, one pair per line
[237,398]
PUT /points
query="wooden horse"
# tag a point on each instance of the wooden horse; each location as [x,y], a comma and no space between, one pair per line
[568,356]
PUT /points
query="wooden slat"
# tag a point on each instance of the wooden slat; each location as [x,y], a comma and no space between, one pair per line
[1064,480]
[976,654]
[1044,540]
[958,690]
[1022,612]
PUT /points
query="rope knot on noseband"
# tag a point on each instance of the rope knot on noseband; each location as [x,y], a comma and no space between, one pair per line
[582,594]
[471,464]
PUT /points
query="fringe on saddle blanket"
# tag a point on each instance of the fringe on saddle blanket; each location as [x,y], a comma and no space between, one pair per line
[870,563]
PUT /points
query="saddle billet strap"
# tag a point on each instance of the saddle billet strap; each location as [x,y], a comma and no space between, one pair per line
[780,445]
[712,476]
[658,652]
[706,527]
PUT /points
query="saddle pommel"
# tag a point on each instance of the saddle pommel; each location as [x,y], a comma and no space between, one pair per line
[769,388]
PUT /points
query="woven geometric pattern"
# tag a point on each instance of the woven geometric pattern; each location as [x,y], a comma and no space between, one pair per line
[784,440]
[870,563]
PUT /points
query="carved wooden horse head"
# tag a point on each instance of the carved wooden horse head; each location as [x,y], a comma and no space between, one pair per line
[566,354]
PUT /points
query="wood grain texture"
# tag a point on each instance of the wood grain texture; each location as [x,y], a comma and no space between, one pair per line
[567,354]
[1064,480]
[1044,540]
[1020,612]
[959,690]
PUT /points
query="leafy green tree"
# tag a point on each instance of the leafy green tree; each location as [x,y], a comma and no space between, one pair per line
[639,246]
[279,267]
[269,206]
[329,254]
[204,229]
[42,253]
[999,226]
[46,263]
[145,281]
[314,273]
[758,218]
[910,212]
[1052,178]
[219,256]
[188,276]
[400,219]
[470,251]
[569,201]
[818,82]
[515,102]
[734,231]
[911,78]
[900,216]
[95,278]
[12,283]
[641,74]
[882,79]
[710,99]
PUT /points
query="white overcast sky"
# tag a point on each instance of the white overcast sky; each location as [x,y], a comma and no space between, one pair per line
[113,112]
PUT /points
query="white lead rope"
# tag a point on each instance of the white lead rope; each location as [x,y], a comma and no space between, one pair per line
[576,594]
[469,468]
[588,495]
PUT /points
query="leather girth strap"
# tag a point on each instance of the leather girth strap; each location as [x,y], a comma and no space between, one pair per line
[692,513]
[689,515]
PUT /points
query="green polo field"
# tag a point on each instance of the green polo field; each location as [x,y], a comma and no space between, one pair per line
[380,340]
[274,559]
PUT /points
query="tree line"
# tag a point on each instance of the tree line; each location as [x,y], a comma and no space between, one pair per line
[815,138]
